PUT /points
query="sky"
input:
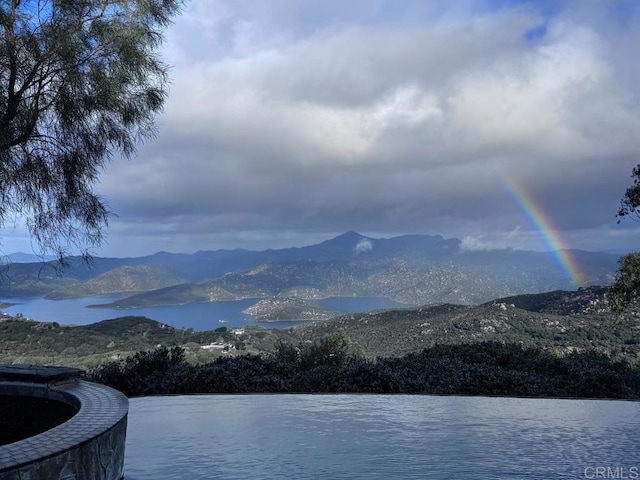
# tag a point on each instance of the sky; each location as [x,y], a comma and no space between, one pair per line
[502,123]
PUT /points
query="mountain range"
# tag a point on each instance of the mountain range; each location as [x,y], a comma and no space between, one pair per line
[411,269]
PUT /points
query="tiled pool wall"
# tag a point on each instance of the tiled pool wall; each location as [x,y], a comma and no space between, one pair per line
[88,446]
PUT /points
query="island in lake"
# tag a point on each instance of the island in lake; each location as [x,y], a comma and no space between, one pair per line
[277,309]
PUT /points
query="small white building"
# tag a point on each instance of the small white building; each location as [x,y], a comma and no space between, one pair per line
[214,346]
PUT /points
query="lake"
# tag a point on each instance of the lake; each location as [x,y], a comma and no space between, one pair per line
[199,316]
[379,437]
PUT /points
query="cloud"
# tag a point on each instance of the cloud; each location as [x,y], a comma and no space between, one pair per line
[319,117]
[363,245]
[476,244]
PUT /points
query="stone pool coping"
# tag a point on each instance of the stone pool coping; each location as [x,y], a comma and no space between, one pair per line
[38,373]
[100,409]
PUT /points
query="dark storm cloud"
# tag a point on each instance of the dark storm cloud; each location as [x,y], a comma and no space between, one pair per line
[290,121]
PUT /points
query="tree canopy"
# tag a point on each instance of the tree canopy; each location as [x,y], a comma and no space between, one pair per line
[626,287]
[630,203]
[80,82]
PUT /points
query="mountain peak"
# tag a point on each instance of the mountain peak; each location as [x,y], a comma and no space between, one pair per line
[347,243]
[350,236]
[348,239]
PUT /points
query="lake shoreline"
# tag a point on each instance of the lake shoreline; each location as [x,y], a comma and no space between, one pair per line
[201,316]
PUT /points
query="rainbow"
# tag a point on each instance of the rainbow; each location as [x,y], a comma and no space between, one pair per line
[543,223]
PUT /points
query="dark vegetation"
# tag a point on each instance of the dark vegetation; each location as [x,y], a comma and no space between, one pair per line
[331,365]
[626,287]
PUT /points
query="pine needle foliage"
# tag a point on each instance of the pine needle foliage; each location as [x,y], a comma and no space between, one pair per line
[81,82]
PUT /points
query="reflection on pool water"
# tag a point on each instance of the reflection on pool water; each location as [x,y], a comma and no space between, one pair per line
[379,436]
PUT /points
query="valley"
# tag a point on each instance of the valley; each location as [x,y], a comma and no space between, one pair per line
[433,292]
[560,322]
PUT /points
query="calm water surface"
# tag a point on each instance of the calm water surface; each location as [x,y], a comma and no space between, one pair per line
[199,316]
[379,437]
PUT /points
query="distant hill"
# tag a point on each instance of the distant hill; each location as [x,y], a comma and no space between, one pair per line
[397,332]
[561,302]
[21,257]
[84,346]
[118,280]
[412,269]
[410,282]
